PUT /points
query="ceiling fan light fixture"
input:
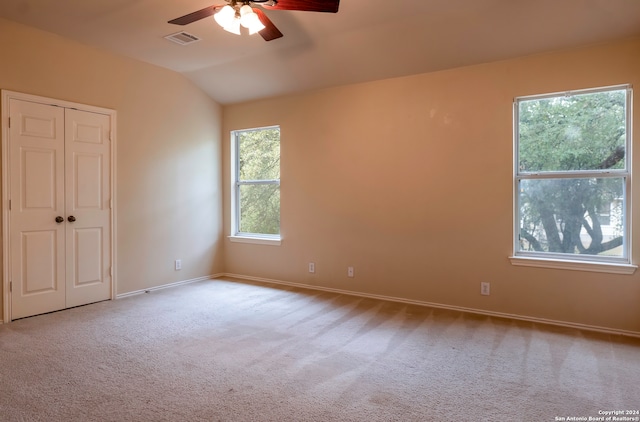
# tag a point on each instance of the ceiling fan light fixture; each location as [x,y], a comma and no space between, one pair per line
[256,28]
[253,23]
[238,13]
[225,16]
[250,20]
[245,10]
[233,27]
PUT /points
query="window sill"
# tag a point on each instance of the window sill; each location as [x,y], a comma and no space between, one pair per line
[600,267]
[257,240]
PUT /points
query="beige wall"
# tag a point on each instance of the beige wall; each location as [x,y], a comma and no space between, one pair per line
[410,181]
[168,150]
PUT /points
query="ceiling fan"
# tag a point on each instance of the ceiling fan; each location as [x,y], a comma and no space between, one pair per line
[239,12]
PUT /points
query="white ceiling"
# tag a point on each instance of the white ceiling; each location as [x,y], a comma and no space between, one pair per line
[365,40]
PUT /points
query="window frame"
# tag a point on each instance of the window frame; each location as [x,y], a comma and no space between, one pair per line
[608,264]
[236,183]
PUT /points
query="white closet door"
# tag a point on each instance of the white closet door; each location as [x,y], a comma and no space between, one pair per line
[37,199]
[88,214]
[60,213]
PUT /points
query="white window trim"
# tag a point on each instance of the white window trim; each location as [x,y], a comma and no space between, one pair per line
[236,236]
[560,264]
[578,263]
[258,240]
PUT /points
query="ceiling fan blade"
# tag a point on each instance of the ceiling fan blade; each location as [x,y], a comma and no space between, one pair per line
[270,32]
[330,6]
[195,16]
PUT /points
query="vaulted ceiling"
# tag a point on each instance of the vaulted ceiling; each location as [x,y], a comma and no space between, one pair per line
[365,40]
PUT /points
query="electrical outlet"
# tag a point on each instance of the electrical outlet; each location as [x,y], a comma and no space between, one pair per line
[350,272]
[312,267]
[485,288]
[178,264]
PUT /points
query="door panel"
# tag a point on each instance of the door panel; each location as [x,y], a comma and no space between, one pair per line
[36,151]
[38,272]
[88,174]
[88,247]
[40,125]
[90,131]
[39,176]
[88,187]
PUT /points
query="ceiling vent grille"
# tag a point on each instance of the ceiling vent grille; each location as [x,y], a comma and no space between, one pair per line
[182,38]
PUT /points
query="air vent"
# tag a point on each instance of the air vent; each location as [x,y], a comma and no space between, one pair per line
[182,38]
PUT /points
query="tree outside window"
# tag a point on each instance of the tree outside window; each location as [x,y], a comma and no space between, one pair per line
[572,177]
[257,182]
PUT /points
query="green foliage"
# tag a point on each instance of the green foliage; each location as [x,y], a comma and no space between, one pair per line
[259,153]
[571,134]
[259,164]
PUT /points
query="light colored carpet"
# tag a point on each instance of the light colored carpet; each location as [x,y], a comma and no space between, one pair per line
[234,351]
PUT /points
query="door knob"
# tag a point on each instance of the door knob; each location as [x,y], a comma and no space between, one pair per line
[71,219]
[59,219]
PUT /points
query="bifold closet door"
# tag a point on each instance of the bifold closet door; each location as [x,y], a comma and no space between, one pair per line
[59,208]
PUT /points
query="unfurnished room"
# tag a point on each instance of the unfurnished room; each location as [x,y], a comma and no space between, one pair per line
[319,210]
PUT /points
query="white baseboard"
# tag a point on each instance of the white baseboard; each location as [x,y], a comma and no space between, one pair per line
[166,286]
[585,327]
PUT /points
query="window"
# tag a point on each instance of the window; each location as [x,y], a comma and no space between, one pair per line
[572,176]
[256,190]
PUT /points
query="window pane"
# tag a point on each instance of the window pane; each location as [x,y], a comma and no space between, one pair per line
[566,216]
[259,154]
[260,209]
[579,132]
